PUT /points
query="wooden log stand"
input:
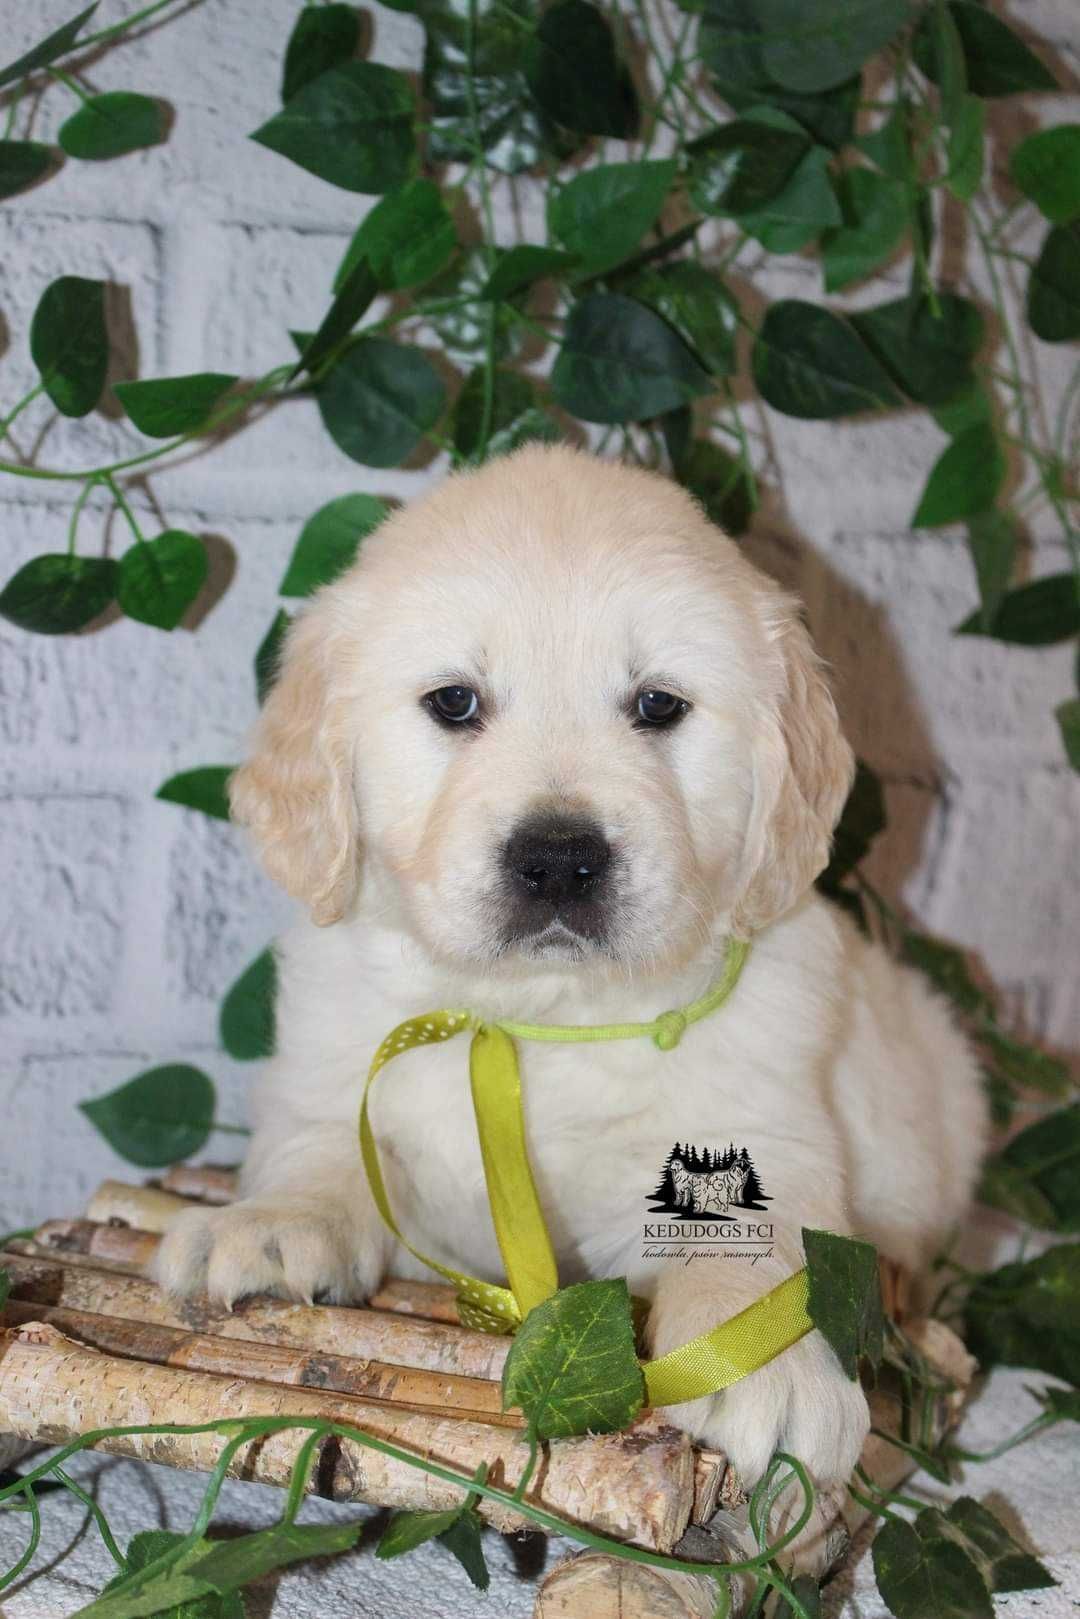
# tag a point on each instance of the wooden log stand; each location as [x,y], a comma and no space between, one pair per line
[91,1343]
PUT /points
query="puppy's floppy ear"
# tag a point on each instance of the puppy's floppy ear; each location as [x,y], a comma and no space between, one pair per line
[803,769]
[295,793]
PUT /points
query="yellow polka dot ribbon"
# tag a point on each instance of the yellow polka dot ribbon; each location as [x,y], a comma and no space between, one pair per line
[708,1363]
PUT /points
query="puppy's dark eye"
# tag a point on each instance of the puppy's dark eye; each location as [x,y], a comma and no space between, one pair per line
[655,709]
[454,705]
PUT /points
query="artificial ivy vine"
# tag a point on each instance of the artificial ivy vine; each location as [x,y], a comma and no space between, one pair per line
[679,149]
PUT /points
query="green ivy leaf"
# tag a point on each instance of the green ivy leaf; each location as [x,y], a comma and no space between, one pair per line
[204,789]
[964,153]
[887,146]
[268,655]
[516,418]
[806,203]
[720,483]
[1028,1314]
[573,72]
[997,61]
[1025,1065]
[1053,293]
[1037,1174]
[160,578]
[1038,614]
[927,1578]
[494,105]
[929,355]
[21,163]
[230,1563]
[112,124]
[1062,1404]
[1002,1561]
[323,37]
[352,126]
[329,541]
[947,969]
[407,237]
[844,1300]
[862,820]
[572,1367]
[970,404]
[54,594]
[519,267]
[698,306]
[828,116]
[463,1539]
[407,1530]
[69,343]
[379,401]
[165,407]
[813,364]
[1046,167]
[150,1544]
[458,1528]
[806,1589]
[992,540]
[158,1117]
[601,215]
[875,222]
[47,50]
[740,166]
[1067,715]
[621,363]
[964,480]
[350,301]
[246,1024]
[812,45]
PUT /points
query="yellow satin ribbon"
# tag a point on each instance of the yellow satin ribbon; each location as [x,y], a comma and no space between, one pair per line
[705,1365]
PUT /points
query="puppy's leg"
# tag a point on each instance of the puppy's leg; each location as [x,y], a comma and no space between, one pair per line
[800,1402]
[307,1227]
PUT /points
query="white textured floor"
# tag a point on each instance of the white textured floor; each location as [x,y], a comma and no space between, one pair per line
[1035,1490]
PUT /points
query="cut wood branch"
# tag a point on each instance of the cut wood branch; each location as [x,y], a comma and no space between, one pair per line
[637,1486]
[146,1207]
[437,1393]
[209,1183]
[368,1334]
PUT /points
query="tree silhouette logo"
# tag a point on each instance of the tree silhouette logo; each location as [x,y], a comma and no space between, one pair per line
[707,1183]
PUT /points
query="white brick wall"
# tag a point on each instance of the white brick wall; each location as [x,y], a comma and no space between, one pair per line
[123,918]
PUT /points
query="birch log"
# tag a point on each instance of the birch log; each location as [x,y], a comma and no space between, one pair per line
[438,1393]
[147,1207]
[595,1586]
[209,1183]
[124,1245]
[637,1486]
[368,1334]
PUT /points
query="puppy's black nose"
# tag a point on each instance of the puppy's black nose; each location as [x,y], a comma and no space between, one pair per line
[558,862]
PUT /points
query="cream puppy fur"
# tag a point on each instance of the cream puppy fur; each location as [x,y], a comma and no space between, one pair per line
[559,855]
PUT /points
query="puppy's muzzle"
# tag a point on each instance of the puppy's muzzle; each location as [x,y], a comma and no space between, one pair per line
[557,871]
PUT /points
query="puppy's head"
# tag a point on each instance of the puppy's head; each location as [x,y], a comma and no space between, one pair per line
[564,719]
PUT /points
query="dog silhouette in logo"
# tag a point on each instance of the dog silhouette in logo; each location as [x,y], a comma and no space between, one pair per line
[707,1191]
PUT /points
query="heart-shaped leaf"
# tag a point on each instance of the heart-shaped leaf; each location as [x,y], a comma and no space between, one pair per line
[965,148]
[812,45]
[875,222]
[1053,294]
[1037,1174]
[160,578]
[1046,167]
[513,417]
[329,540]
[458,1528]
[520,266]
[247,1012]
[21,163]
[323,37]
[112,124]
[811,363]
[740,166]
[379,401]
[204,789]
[1028,1314]
[844,1300]
[601,215]
[69,343]
[928,351]
[572,1367]
[407,238]
[997,61]
[621,363]
[352,126]
[268,654]
[158,1117]
[350,301]
[165,407]
[964,480]
[58,43]
[573,72]
[927,1578]
[698,306]
[1001,1560]
[54,594]
[992,540]
[1037,614]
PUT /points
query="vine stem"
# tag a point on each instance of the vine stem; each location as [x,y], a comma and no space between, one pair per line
[35,1535]
[69,83]
[14,413]
[118,495]
[121,27]
[96,1513]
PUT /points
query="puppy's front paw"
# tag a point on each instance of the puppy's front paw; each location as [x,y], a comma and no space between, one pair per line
[801,1403]
[293,1247]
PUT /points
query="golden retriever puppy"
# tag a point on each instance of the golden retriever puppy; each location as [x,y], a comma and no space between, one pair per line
[541,751]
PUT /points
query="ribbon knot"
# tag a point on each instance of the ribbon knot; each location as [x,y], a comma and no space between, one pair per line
[670,1028]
